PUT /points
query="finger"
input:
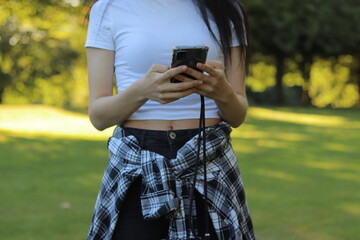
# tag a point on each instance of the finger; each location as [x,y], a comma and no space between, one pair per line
[204,89]
[172,96]
[159,68]
[172,72]
[202,92]
[216,64]
[207,68]
[179,87]
[183,78]
[197,74]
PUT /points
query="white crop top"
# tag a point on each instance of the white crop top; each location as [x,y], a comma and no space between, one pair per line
[144,32]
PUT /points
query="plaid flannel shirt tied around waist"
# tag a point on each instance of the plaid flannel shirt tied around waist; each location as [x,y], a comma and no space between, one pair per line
[167,183]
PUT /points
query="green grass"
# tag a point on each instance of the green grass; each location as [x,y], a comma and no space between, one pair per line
[40,178]
[302,180]
[300,167]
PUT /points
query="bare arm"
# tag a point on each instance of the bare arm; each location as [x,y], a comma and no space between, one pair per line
[225,86]
[233,107]
[106,109]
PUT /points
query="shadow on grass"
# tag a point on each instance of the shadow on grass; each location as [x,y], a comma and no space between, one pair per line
[48,186]
[301,179]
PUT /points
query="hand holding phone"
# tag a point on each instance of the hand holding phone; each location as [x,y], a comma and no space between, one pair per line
[189,56]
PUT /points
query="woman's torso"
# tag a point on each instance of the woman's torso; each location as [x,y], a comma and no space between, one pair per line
[145,32]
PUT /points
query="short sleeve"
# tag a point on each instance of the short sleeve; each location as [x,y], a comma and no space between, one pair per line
[235,41]
[99,33]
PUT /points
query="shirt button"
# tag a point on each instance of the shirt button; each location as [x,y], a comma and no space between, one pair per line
[172,135]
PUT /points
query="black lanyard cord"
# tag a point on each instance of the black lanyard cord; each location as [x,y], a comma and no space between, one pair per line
[202,136]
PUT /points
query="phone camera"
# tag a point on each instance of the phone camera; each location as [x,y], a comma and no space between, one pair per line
[181,55]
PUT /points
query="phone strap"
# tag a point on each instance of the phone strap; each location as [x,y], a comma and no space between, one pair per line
[201,139]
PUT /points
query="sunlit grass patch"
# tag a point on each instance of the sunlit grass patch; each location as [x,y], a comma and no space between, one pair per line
[313,119]
[39,120]
[352,208]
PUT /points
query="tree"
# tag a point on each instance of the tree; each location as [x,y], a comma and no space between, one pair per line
[273,34]
[301,30]
[330,29]
[34,43]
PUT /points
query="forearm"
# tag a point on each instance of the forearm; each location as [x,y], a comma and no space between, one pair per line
[108,111]
[233,109]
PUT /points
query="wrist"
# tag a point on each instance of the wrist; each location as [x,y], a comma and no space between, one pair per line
[138,90]
[227,96]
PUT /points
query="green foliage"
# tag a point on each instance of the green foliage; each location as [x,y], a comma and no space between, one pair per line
[329,83]
[295,32]
[43,59]
[39,47]
[262,73]
[318,27]
[332,81]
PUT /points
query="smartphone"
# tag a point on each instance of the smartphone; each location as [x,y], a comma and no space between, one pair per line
[189,56]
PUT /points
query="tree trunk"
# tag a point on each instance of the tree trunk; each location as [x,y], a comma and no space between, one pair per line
[278,96]
[5,80]
[305,67]
[1,96]
[2,90]
[358,84]
[355,76]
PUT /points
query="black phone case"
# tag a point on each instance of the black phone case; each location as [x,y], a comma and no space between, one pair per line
[192,55]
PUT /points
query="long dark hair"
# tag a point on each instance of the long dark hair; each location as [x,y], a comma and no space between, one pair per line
[228,15]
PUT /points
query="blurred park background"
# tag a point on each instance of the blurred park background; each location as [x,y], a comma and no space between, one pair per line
[298,149]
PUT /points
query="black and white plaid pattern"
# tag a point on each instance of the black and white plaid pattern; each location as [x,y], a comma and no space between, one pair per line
[167,183]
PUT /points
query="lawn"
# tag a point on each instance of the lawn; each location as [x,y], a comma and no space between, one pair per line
[301,169]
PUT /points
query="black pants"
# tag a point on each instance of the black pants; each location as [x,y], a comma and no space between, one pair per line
[131,224]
